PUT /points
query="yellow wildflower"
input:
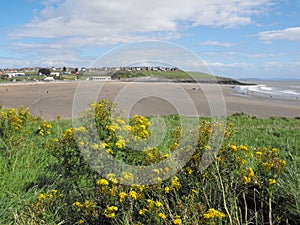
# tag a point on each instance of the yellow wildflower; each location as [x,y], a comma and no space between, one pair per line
[158,204]
[112,178]
[88,204]
[156,171]
[142,211]
[103,182]
[110,151]
[122,196]
[207,147]
[243,147]
[77,204]
[247,179]
[103,145]
[81,221]
[212,213]
[177,220]
[95,146]
[251,172]
[42,196]
[110,211]
[272,181]
[133,195]
[233,147]
[162,215]
[175,183]
[167,190]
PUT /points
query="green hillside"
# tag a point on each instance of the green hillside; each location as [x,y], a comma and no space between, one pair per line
[176,76]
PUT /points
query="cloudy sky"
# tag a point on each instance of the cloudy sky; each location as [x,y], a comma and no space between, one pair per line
[235,38]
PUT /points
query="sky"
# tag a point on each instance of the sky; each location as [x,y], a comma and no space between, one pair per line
[234,38]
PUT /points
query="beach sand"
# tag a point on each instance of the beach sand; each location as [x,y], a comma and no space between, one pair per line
[67,99]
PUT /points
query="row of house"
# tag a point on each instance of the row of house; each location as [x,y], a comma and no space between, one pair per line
[133,68]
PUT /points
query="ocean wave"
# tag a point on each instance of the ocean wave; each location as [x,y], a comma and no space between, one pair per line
[268,91]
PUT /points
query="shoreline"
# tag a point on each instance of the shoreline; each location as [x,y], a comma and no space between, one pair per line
[52,99]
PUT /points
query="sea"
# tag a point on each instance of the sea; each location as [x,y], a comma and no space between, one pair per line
[271,89]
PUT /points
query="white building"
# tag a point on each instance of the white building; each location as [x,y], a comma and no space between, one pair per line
[15,74]
[100,78]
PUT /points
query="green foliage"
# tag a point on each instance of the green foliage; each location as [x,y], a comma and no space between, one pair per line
[50,172]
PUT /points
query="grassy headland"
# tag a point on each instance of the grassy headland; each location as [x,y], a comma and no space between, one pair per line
[174,76]
[254,178]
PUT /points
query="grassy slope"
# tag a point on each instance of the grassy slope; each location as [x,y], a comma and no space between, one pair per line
[25,161]
[175,75]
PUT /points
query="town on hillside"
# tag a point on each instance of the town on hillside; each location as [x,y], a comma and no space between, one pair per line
[39,73]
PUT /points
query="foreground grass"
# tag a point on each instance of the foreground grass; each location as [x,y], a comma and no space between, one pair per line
[38,186]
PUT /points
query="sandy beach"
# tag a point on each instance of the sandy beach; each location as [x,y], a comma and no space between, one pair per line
[66,99]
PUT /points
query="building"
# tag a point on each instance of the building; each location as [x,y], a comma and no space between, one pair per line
[100,78]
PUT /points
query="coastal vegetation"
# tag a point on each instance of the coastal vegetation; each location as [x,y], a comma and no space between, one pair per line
[174,76]
[253,179]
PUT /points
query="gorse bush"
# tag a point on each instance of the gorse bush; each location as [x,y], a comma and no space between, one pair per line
[222,182]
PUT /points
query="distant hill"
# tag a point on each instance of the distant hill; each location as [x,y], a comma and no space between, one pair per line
[172,76]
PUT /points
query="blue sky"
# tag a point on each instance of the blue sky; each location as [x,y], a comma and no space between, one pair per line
[235,38]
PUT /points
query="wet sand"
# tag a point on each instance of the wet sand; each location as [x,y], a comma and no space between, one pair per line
[67,99]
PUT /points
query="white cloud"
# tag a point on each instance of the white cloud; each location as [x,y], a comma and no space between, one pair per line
[9,62]
[217,43]
[111,20]
[291,34]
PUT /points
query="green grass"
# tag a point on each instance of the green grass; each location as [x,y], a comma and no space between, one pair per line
[29,167]
[180,75]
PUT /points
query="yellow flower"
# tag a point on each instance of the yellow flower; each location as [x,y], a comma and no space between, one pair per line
[81,221]
[282,162]
[207,147]
[54,191]
[162,215]
[167,190]
[267,165]
[243,147]
[177,220]
[190,171]
[142,211]
[110,215]
[166,155]
[156,171]
[247,179]
[175,183]
[258,153]
[120,143]
[151,203]
[110,151]
[122,196]
[133,195]
[42,196]
[88,204]
[112,178]
[109,212]
[103,182]
[95,146]
[272,181]
[112,208]
[194,191]
[158,204]
[103,145]
[77,204]
[212,213]
[233,147]
[251,172]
